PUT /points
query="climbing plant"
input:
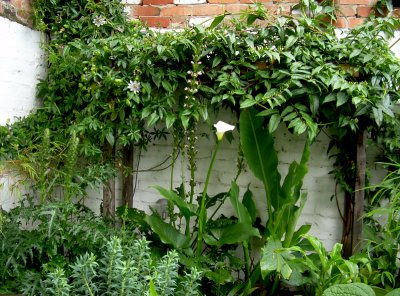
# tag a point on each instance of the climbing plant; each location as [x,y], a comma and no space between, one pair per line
[112,80]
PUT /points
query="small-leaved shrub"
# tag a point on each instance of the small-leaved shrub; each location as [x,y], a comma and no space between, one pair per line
[123,269]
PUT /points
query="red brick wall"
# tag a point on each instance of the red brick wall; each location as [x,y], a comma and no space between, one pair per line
[177,13]
[16,10]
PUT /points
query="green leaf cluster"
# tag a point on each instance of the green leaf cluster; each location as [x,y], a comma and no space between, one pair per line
[37,237]
[281,199]
[109,79]
[310,266]
[123,269]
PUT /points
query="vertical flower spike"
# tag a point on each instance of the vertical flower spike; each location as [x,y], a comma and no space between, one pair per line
[222,127]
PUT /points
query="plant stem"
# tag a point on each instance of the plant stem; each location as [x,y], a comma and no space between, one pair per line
[275,286]
[246,259]
[219,206]
[203,212]
[87,286]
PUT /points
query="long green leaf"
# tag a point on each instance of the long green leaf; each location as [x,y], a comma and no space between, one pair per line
[186,209]
[232,234]
[241,211]
[258,148]
[319,249]
[167,233]
[298,234]
[217,21]
[395,292]
[250,205]
[294,179]
[292,219]
[152,289]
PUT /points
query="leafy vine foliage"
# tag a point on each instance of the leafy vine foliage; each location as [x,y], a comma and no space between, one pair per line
[111,80]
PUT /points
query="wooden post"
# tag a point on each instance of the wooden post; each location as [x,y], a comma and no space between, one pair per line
[359,194]
[108,209]
[127,179]
[347,234]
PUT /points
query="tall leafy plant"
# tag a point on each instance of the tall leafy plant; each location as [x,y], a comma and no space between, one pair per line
[204,234]
[284,201]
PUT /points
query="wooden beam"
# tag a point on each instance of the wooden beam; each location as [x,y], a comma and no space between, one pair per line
[359,193]
[128,177]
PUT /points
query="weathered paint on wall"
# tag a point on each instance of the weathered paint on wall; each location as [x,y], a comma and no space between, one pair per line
[22,63]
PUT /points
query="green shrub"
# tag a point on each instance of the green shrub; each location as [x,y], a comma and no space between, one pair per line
[64,249]
[123,269]
[39,237]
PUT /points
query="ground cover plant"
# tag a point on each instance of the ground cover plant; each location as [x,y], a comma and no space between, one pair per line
[37,238]
[114,86]
[382,229]
[62,248]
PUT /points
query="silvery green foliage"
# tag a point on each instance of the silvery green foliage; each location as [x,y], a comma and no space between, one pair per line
[190,286]
[164,275]
[110,266]
[57,283]
[141,259]
[84,275]
[124,269]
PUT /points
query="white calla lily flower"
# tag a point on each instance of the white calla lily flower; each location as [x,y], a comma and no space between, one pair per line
[221,128]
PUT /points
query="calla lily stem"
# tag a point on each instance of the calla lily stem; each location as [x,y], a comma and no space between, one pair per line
[203,210]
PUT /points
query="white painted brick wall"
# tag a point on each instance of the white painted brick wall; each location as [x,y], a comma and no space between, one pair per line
[21,64]
[21,61]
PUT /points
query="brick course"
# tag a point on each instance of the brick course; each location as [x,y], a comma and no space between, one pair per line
[177,10]
[363,11]
[350,13]
[173,13]
[145,10]
[156,21]
[17,10]
[157,2]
